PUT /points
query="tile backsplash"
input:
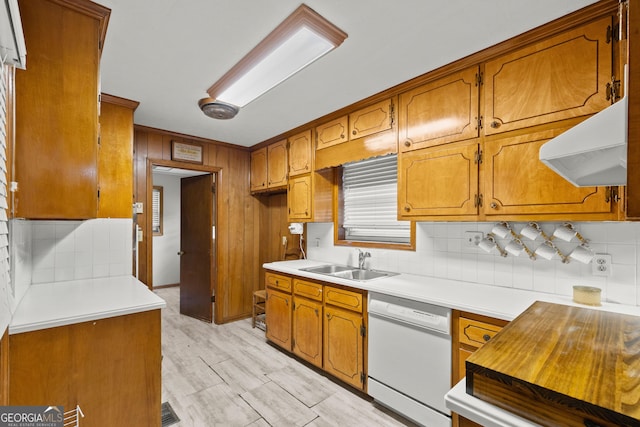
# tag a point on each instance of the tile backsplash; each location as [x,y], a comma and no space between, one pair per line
[441,251]
[55,251]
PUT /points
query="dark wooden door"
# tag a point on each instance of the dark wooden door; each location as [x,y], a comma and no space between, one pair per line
[196,247]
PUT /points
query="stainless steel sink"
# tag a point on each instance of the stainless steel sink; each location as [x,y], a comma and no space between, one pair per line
[362,275]
[351,273]
[327,269]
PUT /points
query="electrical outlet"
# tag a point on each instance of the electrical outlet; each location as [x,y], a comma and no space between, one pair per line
[601,265]
[473,238]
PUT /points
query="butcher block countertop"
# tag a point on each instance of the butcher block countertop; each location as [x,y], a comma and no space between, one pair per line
[562,365]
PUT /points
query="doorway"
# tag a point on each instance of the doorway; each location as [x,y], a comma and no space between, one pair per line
[182,218]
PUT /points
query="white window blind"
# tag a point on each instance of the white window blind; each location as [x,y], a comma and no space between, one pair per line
[4,229]
[370,190]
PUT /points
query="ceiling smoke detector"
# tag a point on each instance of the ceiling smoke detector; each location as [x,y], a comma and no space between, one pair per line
[217,109]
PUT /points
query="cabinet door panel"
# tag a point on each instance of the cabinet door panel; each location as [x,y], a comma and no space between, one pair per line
[518,183]
[559,78]
[277,164]
[115,167]
[307,330]
[332,133]
[299,198]
[373,119]
[438,181]
[278,318]
[343,345]
[300,153]
[57,114]
[439,112]
[259,169]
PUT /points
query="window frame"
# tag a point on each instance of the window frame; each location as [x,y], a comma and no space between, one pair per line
[339,237]
[157,231]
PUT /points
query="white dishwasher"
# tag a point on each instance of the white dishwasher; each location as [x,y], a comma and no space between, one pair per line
[410,358]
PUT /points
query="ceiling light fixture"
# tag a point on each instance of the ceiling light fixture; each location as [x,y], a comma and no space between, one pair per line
[299,40]
[216,109]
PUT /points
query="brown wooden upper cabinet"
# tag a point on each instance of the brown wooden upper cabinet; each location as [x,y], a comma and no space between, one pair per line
[300,153]
[559,78]
[269,167]
[516,182]
[115,168]
[439,112]
[299,198]
[332,133]
[56,150]
[439,181]
[372,119]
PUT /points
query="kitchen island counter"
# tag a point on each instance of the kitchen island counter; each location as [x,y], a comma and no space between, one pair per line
[54,304]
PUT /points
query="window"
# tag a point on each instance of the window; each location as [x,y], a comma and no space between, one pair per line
[369,204]
[156,205]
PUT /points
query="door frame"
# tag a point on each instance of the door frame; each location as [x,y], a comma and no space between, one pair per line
[148,240]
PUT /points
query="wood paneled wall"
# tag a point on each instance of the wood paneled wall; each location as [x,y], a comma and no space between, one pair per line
[237,222]
[275,225]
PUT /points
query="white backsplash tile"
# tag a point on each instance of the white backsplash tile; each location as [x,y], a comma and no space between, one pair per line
[71,250]
[442,252]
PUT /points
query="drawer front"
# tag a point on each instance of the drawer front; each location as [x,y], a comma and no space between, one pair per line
[277,281]
[343,298]
[307,289]
[476,333]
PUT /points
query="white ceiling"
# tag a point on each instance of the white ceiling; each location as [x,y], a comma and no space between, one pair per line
[166,53]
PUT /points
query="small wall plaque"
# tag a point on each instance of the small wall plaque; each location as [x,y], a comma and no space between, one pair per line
[186,152]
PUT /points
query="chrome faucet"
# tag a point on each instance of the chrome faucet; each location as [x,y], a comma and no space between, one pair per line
[362,256]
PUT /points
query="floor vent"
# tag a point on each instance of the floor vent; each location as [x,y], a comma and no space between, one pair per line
[168,416]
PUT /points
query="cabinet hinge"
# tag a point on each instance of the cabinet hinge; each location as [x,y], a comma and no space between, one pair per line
[479,79]
[362,377]
[613,33]
[392,115]
[363,330]
[478,157]
[612,90]
[611,194]
[98,193]
[477,203]
[479,123]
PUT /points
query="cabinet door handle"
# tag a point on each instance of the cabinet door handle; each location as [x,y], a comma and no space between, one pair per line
[407,143]
[181,253]
[493,205]
[495,124]
[407,209]
[486,337]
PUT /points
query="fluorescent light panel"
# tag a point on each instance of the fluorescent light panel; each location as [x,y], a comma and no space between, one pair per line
[298,41]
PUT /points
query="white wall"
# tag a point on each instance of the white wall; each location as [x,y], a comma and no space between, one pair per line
[166,262]
[441,252]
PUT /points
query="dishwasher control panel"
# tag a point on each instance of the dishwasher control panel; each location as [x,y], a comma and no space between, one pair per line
[415,312]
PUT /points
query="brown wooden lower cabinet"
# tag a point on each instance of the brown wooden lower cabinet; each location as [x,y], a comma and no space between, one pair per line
[470,332]
[110,367]
[307,321]
[322,324]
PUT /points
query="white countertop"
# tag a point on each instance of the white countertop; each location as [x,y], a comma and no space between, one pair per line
[49,305]
[480,411]
[493,301]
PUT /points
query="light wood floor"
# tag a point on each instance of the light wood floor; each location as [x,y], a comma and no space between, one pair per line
[228,375]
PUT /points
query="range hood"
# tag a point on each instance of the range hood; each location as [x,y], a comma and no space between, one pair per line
[12,47]
[594,152]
